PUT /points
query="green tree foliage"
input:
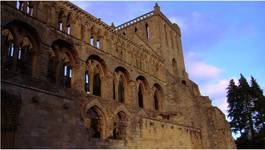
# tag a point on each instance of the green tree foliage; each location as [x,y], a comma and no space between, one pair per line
[246,110]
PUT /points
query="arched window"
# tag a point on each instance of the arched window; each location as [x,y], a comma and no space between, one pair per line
[94,129]
[98,68]
[51,74]
[87,82]
[121,90]
[60,21]
[156,103]
[140,96]
[157,97]
[25,6]
[18,55]
[122,76]
[147,32]
[68,22]
[25,56]
[135,29]
[174,66]
[61,63]
[119,131]
[97,85]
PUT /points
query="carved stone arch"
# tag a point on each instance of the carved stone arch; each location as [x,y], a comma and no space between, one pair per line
[63,65]
[158,97]
[28,31]
[142,90]
[28,35]
[142,79]
[63,46]
[98,73]
[94,104]
[124,71]
[120,123]
[100,60]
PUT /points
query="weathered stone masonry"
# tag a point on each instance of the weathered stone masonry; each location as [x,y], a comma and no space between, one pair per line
[68,80]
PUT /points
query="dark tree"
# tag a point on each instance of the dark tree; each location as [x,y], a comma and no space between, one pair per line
[246,110]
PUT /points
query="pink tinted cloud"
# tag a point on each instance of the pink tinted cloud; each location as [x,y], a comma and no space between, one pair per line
[201,70]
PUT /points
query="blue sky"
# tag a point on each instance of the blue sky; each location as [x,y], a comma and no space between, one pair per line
[220,39]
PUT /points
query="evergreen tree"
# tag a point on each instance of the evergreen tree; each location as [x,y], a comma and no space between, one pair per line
[259,102]
[246,108]
[233,109]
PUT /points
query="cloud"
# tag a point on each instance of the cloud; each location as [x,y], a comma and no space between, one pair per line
[217,92]
[203,70]
[200,70]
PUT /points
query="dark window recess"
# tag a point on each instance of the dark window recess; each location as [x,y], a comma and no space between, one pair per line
[140,97]
[94,130]
[97,85]
[121,91]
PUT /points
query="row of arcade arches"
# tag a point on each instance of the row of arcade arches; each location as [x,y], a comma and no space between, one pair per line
[94,116]
[94,76]
[20,50]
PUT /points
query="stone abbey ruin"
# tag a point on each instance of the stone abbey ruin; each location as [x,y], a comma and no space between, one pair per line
[69,80]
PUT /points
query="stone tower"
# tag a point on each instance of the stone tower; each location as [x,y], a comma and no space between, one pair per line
[69,80]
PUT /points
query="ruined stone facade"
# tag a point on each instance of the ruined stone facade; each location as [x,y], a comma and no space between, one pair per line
[68,80]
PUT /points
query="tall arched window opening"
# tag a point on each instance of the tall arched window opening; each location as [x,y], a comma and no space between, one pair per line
[62,61]
[60,20]
[147,31]
[140,96]
[97,85]
[156,103]
[119,131]
[121,90]
[68,22]
[174,66]
[94,130]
